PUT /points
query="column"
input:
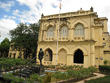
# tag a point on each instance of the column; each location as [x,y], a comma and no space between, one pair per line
[69,34]
[54,59]
[105,25]
[92,58]
[17,54]
[22,55]
[86,33]
[85,61]
[55,35]
[73,34]
[92,33]
[44,35]
[69,59]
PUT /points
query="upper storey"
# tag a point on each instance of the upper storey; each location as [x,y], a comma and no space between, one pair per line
[74,26]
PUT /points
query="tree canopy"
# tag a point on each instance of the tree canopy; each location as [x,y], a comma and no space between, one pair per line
[25,37]
[4,47]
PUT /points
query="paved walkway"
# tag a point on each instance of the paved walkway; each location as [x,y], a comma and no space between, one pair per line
[98,76]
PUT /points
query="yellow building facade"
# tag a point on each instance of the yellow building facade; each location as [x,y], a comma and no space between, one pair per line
[15,52]
[83,39]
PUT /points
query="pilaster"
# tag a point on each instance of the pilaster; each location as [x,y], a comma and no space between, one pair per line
[92,54]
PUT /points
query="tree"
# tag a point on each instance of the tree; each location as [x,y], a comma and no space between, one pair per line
[25,37]
[4,47]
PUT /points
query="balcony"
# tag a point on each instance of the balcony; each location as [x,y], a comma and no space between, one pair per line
[49,39]
[63,39]
[47,62]
[79,38]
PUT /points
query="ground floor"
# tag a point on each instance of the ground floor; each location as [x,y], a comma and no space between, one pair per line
[72,53]
[16,54]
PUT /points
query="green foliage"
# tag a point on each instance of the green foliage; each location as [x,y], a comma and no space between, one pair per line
[40,80]
[9,56]
[104,68]
[35,77]
[80,72]
[4,47]
[63,76]
[70,72]
[105,79]
[25,37]
[13,79]
[105,62]
[9,63]
[29,80]
[92,69]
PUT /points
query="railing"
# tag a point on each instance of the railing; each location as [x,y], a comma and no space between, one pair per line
[63,39]
[47,62]
[26,65]
[78,38]
[49,39]
[62,63]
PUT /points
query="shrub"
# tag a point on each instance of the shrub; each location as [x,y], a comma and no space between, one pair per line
[104,68]
[92,69]
[105,62]
[30,80]
[35,76]
[13,79]
[70,72]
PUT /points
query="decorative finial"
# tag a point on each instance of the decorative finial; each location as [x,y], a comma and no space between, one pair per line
[91,9]
[42,15]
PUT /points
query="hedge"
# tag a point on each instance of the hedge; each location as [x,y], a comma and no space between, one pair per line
[104,68]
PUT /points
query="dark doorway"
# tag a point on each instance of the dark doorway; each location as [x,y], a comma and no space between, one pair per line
[50,54]
[78,56]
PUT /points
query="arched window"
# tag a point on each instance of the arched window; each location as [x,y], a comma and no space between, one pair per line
[50,32]
[64,31]
[79,30]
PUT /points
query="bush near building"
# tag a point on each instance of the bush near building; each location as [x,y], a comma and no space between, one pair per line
[104,69]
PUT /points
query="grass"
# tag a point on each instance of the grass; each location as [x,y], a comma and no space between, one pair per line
[105,79]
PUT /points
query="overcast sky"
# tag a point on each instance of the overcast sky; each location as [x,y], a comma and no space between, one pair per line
[13,12]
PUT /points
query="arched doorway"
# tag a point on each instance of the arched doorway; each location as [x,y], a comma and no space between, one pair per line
[48,55]
[78,56]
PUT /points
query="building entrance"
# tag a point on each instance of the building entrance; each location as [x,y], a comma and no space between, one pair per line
[78,56]
[48,55]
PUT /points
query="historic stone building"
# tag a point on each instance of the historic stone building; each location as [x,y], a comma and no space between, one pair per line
[83,38]
[15,52]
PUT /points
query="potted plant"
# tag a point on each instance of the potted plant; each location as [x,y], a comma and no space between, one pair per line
[105,62]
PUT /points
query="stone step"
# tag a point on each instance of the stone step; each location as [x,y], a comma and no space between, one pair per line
[27,73]
[23,75]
